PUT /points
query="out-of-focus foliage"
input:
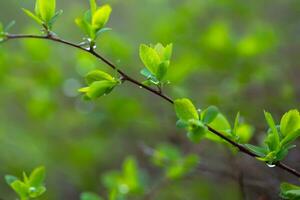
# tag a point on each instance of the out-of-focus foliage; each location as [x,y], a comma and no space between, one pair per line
[239,56]
[173,162]
[289,191]
[31,186]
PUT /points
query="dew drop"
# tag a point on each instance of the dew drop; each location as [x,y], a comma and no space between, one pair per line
[141,87]
[271,165]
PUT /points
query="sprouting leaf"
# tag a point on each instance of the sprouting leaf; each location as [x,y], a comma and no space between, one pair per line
[102,30]
[89,196]
[55,17]
[259,151]
[20,188]
[83,25]
[150,58]
[45,9]
[9,26]
[164,53]
[210,114]
[98,75]
[33,16]
[185,110]
[100,17]
[274,135]
[10,179]
[37,177]
[196,134]
[236,124]
[99,88]
[290,122]
[290,138]
[162,70]
[93,6]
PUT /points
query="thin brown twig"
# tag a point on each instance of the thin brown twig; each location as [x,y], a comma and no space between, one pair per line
[126,77]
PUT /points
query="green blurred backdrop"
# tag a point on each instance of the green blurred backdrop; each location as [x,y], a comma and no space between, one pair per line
[238,55]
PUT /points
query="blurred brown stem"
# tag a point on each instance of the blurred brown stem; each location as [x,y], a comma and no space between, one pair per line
[126,77]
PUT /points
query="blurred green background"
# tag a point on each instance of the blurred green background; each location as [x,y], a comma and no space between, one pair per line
[238,55]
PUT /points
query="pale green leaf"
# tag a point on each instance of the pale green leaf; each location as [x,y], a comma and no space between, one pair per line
[185,110]
[100,17]
[290,122]
[150,58]
[37,177]
[33,16]
[98,75]
[46,9]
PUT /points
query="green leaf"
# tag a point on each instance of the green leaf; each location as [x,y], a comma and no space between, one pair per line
[181,124]
[290,122]
[1,28]
[10,179]
[36,192]
[9,26]
[102,30]
[289,191]
[37,177]
[89,196]
[100,88]
[244,133]
[185,110]
[93,6]
[83,25]
[236,124]
[45,9]
[150,58]
[162,70]
[20,188]
[55,17]
[196,134]
[210,114]
[164,53]
[290,138]
[100,17]
[274,135]
[131,174]
[33,16]
[259,151]
[98,75]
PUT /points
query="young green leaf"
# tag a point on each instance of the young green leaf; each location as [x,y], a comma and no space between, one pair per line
[99,88]
[93,5]
[259,151]
[10,179]
[9,26]
[100,17]
[45,9]
[150,58]
[290,122]
[20,188]
[98,75]
[185,110]
[210,114]
[33,16]
[274,135]
[37,177]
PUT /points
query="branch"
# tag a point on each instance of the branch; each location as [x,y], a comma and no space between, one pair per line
[126,77]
